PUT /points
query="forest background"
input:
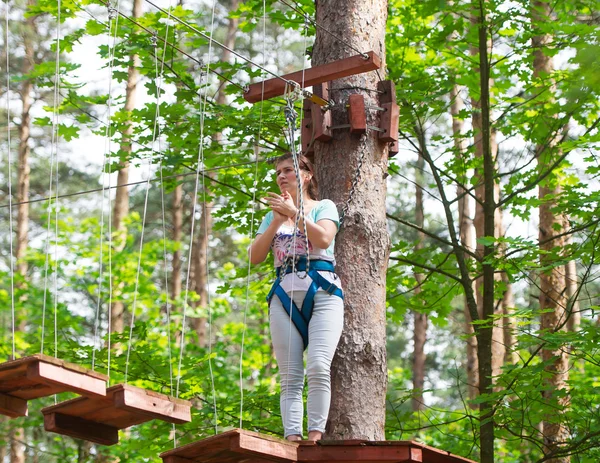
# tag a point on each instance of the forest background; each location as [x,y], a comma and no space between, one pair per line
[161,115]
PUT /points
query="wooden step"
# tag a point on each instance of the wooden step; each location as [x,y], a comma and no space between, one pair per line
[99,419]
[235,446]
[40,375]
[239,446]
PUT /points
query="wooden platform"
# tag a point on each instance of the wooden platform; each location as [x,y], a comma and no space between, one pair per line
[38,376]
[100,419]
[239,446]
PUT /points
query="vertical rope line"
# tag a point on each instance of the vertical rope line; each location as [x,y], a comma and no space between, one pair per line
[300,198]
[254,188]
[208,299]
[159,78]
[112,14]
[150,160]
[105,173]
[56,203]
[10,207]
[195,200]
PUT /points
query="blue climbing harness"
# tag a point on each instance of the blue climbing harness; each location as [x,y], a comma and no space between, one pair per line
[301,318]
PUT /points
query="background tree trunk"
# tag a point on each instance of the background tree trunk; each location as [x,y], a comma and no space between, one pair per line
[121,203]
[359,371]
[485,225]
[201,273]
[420,319]
[17,435]
[553,285]
[467,239]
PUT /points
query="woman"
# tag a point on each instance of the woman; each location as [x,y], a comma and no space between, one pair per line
[306,308]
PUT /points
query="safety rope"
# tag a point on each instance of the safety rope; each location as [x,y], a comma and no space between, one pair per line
[254,189]
[10,205]
[200,161]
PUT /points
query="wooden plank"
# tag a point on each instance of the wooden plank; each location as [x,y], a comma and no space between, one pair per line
[356,114]
[389,122]
[70,380]
[362,453]
[152,404]
[315,75]
[12,407]
[236,446]
[20,366]
[433,455]
[81,429]
[276,450]
[176,459]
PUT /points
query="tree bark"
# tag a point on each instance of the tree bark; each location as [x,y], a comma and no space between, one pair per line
[553,285]
[359,372]
[121,203]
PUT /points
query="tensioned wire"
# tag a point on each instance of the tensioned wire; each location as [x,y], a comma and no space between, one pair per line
[216,42]
[254,187]
[54,164]
[158,179]
[10,205]
[200,162]
[106,177]
[150,159]
[159,78]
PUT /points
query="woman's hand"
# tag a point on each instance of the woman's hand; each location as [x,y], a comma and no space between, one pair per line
[282,204]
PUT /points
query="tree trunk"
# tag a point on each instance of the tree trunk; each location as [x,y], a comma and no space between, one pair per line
[553,286]
[200,261]
[420,319]
[121,203]
[17,449]
[467,239]
[485,225]
[200,272]
[359,371]
[572,283]
[177,217]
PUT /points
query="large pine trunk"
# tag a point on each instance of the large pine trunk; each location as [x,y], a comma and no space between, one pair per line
[359,371]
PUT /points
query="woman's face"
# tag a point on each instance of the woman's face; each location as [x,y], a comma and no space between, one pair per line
[286,177]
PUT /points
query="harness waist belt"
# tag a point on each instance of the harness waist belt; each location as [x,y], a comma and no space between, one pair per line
[301,318]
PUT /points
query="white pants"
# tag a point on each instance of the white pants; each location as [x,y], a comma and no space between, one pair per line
[324,331]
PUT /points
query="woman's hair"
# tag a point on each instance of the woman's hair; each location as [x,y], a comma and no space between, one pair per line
[304,163]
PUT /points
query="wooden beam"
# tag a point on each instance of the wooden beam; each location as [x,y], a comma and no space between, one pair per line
[306,132]
[12,407]
[81,429]
[321,120]
[312,76]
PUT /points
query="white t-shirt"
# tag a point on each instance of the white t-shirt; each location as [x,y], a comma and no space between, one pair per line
[285,245]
